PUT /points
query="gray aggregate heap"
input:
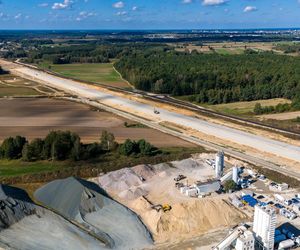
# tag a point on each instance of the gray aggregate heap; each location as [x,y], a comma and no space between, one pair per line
[14,206]
[88,204]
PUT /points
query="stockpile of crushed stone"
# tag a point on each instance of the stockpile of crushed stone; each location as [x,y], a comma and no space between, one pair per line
[120,180]
[25,225]
[88,204]
[14,206]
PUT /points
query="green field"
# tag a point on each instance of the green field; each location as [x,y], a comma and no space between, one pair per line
[17,167]
[224,51]
[11,170]
[245,108]
[103,73]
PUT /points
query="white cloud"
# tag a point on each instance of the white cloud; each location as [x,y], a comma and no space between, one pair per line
[213,2]
[18,16]
[119,5]
[134,8]
[84,15]
[121,13]
[187,1]
[250,9]
[64,5]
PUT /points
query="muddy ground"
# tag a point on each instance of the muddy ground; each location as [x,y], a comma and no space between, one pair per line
[34,118]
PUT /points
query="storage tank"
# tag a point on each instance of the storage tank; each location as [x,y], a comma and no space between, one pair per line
[235,174]
[279,238]
[219,164]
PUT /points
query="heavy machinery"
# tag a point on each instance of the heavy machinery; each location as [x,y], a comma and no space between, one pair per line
[165,207]
[179,177]
[156,111]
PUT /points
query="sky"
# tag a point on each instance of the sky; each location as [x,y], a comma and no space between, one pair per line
[149,14]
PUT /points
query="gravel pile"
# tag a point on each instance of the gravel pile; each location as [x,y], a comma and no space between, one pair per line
[27,226]
[14,206]
[88,204]
[120,180]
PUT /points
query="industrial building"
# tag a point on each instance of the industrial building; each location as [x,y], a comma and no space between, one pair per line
[208,187]
[201,189]
[264,226]
[278,187]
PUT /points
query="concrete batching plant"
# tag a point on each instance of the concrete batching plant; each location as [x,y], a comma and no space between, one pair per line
[219,164]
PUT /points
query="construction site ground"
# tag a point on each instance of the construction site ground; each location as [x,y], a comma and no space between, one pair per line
[189,217]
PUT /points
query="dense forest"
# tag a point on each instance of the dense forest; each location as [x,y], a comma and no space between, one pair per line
[92,52]
[213,78]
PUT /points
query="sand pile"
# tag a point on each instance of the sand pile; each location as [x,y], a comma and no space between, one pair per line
[188,219]
[25,225]
[88,204]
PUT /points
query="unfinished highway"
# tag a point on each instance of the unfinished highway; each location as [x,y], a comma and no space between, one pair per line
[143,110]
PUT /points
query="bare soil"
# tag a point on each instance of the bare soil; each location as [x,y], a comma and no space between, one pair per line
[34,118]
[282,116]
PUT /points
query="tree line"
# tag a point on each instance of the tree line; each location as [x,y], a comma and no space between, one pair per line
[93,52]
[213,78]
[279,108]
[65,145]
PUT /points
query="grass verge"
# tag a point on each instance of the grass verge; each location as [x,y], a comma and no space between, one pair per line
[102,73]
[18,172]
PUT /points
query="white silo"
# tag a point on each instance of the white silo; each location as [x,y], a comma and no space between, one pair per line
[219,164]
[235,174]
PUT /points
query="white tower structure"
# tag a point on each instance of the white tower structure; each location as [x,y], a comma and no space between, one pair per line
[264,226]
[235,174]
[219,164]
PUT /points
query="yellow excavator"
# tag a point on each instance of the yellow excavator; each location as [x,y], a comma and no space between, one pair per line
[165,207]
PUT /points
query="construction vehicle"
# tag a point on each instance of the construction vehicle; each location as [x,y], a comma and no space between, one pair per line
[179,185]
[157,207]
[165,207]
[156,111]
[179,177]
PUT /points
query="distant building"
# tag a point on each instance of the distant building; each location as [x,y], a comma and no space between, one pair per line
[264,226]
[219,164]
[245,241]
